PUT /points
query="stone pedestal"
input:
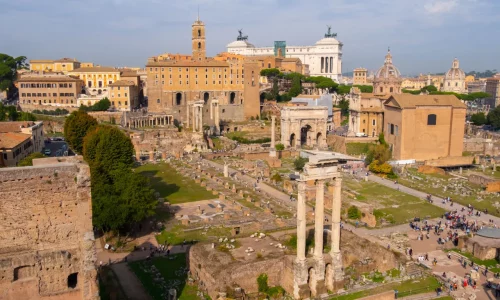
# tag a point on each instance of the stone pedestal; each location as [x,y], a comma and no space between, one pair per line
[300,287]
[272,153]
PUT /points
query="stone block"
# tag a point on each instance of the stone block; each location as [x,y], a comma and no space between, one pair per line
[214,192]
[222,196]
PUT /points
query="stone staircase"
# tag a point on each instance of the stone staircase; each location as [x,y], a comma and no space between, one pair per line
[413,270]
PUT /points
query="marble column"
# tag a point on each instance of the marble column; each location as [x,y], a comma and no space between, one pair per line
[272,151]
[301,221]
[335,246]
[194,119]
[201,118]
[187,116]
[211,111]
[217,121]
[319,219]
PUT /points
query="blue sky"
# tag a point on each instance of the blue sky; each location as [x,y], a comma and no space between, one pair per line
[424,35]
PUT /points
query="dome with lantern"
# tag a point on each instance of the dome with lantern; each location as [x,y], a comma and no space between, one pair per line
[454,79]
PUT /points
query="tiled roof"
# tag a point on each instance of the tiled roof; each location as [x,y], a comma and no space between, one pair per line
[48,78]
[122,83]
[95,70]
[9,140]
[14,126]
[412,101]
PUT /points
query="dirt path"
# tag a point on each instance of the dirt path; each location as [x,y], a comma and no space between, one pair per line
[130,283]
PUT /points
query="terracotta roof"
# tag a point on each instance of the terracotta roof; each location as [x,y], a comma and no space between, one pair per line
[412,101]
[373,95]
[371,109]
[41,61]
[122,83]
[95,70]
[49,78]
[14,126]
[65,59]
[187,63]
[9,140]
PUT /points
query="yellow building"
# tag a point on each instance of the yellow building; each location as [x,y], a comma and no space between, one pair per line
[97,77]
[359,76]
[124,95]
[175,81]
[61,65]
[413,84]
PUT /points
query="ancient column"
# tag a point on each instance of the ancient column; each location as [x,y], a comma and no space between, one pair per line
[194,118]
[187,116]
[301,221]
[319,218]
[211,110]
[335,251]
[272,151]
[217,125]
[201,118]
[226,170]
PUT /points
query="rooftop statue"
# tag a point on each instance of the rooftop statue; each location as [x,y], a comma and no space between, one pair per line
[329,34]
[241,37]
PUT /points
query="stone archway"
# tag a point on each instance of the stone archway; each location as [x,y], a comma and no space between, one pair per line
[178,99]
[305,136]
[319,136]
[206,96]
[292,140]
[232,97]
[312,282]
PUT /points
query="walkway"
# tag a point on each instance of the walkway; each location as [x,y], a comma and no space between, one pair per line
[437,201]
[130,283]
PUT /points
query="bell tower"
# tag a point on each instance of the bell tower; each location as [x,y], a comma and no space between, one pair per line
[198,40]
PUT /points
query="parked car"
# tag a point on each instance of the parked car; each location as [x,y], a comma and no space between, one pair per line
[361,134]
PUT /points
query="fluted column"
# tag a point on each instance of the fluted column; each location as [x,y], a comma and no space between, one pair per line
[319,219]
[301,221]
[336,206]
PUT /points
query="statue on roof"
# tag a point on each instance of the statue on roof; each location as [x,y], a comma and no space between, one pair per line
[330,34]
[241,37]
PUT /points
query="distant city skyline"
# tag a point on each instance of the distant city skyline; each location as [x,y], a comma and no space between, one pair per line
[424,36]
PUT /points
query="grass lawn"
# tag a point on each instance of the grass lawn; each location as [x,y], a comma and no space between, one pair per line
[176,234]
[426,185]
[357,148]
[405,288]
[174,274]
[394,206]
[490,263]
[171,185]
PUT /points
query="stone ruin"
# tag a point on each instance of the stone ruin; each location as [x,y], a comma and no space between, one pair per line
[48,247]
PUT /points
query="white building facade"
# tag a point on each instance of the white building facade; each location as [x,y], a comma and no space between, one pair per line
[454,79]
[323,59]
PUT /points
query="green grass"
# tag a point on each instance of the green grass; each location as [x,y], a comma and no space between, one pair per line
[405,288]
[394,206]
[173,273]
[172,186]
[425,185]
[490,263]
[357,148]
[176,234]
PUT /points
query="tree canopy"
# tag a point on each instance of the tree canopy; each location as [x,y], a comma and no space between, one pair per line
[494,117]
[120,197]
[76,126]
[9,113]
[28,160]
[478,118]
[8,70]
[485,74]
[272,72]
[101,105]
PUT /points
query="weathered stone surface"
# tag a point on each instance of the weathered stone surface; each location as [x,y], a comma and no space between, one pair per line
[46,231]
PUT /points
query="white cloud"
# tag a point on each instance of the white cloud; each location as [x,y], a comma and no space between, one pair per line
[440,6]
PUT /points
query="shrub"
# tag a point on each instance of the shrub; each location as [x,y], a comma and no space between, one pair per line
[262,283]
[280,147]
[354,213]
[276,177]
[299,163]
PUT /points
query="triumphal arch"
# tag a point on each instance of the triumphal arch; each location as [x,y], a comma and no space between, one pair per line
[303,126]
[316,274]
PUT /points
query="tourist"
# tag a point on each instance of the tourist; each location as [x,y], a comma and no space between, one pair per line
[439,291]
[395,294]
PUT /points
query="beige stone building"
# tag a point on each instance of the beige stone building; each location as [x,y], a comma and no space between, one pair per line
[424,127]
[18,140]
[387,80]
[95,78]
[176,82]
[366,113]
[48,247]
[48,91]
[359,76]
[124,95]
[493,88]
[413,84]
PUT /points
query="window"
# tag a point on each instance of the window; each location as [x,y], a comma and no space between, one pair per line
[126,96]
[54,94]
[162,75]
[396,130]
[126,103]
[119,95]
[392,128]
[381,89]
[157,100]
[391,89]
[373,122]
[72,280]
[431,119]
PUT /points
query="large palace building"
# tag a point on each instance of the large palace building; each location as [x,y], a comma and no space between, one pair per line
[323,59]
[228,82]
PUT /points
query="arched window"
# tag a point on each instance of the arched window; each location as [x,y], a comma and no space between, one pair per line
[157,100]
[381,89]
[391,90]
[199,45]
[431,119]
[199,32]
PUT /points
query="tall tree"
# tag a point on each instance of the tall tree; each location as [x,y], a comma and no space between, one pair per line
[76,126]
[478,119]
[296,88]
[8,70]
[494,117]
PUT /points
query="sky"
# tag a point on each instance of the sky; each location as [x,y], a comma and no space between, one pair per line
[423,35]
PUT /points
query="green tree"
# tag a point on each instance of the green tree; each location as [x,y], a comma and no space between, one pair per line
[279,147]
[8,71]
[101,105]
[272,72]
[275,89]
[343,89]
[478,118]
[299,163]
[428,88]
[76,126]
[354,213]
[296,88]
[365,88]
[379,152]
[28,160]
[344,106]
[494,117]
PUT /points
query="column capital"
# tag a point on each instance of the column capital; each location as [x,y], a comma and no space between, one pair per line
[338,181]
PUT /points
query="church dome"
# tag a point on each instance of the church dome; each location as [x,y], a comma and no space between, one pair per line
[455,73]
[327,41]
[388,70]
